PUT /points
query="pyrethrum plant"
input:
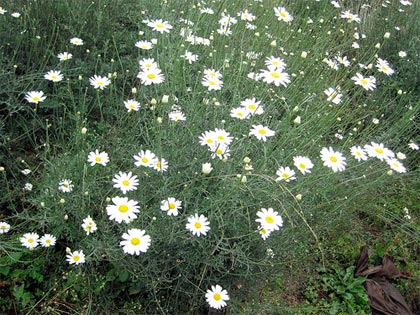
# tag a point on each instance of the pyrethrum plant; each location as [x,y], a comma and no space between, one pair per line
[180,154]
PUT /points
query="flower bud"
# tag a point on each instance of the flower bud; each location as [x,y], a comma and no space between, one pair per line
[206,168]
[165,99]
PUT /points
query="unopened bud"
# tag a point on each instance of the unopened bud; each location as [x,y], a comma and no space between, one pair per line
[165,99]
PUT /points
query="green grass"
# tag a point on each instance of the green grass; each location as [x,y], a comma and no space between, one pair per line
[327,215]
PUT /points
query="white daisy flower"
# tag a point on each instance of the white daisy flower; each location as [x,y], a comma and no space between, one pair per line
[47,240]
[269,219]
[303,164]
[261,132]
[135,241]
[332,159]
[171,205]
[145,158]
[75,258]
[125,181]
[122,210]
[217,297]
[30,240]
[65,185]
[97,157]
[198,225]
[285,174]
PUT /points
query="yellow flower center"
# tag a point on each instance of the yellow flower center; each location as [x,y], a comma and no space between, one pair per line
[172,205]
[123,208]
[364,81]
[283,14]
[36,99]
[269,219]
[285,175]
[135,241]
[151,76]
[98,159]
[240,114]
[197,225]
[48,241]
[160,25]
[379,151]
[333,159]
[221,138]
[54,77]
[100,83]
[252,106]
[262,131]
[76,258]
[212,82]
[219,151]
[209,140]
[66,185]
[302,166]
[275,74]
[31,240]
[145,160]
[217,296]
[126,182]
